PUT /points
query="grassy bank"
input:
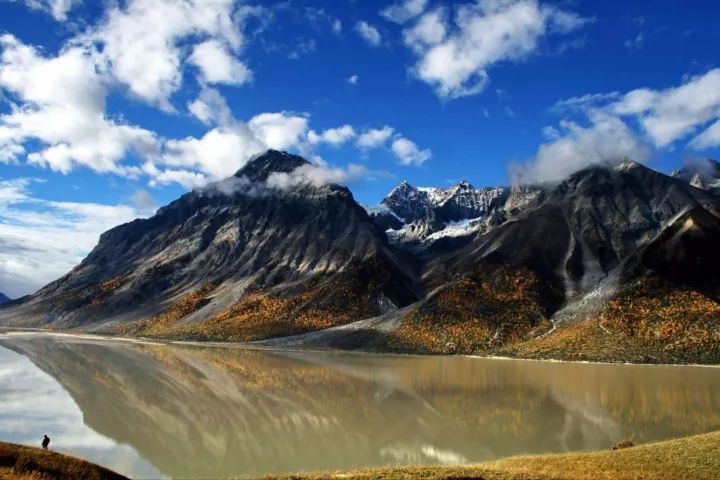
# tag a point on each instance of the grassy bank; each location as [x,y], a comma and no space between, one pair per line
[19,462]
[696,458]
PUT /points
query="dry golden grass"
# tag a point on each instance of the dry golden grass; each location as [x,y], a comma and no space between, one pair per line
[695,458]
[166,320]
[19,462]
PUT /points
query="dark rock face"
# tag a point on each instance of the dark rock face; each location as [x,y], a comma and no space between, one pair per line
[578,232]
[685,253]
[244,237]
[3,298]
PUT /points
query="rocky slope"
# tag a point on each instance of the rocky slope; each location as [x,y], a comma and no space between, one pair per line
[205,262]
[703,174]
[3,298]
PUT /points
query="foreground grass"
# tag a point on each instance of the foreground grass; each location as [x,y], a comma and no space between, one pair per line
[696,457]
[19,462]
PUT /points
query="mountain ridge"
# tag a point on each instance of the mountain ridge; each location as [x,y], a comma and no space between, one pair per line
[458,269]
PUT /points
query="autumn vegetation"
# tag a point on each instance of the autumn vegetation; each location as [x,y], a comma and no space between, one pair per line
[19,462]
[676,320]
[261,314]
[476,313]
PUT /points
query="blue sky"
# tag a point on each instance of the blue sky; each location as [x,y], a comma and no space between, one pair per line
[109,109]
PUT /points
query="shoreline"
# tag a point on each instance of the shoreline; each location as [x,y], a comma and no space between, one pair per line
[20,331]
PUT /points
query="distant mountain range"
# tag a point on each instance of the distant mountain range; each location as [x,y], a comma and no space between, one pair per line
[616,262]
[3,298]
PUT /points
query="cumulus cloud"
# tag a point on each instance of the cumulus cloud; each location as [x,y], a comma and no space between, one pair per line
[408,153]
[374,138]
[333,136]
[139,44]
[41,240]
[217,154]
[218,65]
[60,103]
[664,115]
[369,33]
[403,11]
[57,8]
[574,147]
[429,30]
[280,130]
[454,55]
[671,114]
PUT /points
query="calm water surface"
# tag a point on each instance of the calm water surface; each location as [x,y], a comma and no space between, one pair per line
[187,412]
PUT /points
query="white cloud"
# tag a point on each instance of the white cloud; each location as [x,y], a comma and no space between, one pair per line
[57,8]
[374,138]
[454,56]
[210,108]
[429,30]
[223,150]
[218,65]
[404,10]
[408,153]
[186,178]
[369,33]
[139,42]
[606,139]
[707,139]
[61,104]
[318,175]
[281,130]
[352,79]
[333,136]
[41,240]
[671,114]
[584,102]
[218,154]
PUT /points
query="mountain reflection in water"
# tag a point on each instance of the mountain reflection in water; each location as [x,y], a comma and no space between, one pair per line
[210,412]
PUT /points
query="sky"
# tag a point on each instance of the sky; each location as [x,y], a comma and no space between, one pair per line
[110,109]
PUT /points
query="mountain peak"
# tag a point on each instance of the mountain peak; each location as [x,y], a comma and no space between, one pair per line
[404,185]
[261,166]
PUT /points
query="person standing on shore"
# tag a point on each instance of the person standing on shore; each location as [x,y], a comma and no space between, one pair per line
[45,442]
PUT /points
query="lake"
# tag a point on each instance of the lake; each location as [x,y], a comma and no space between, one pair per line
[151,410]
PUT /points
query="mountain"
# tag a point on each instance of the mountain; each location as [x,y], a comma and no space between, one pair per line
[581,244]
[416,218]
[616,262]
[4,298]
[306,257]
[703,174]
